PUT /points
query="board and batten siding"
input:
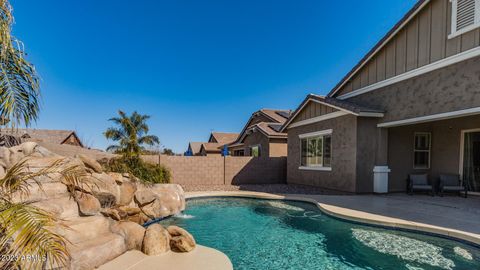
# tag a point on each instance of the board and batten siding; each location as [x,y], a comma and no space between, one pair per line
[313,109]
[424,40]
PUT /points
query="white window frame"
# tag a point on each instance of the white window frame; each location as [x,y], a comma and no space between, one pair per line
[323,133]
[429,151]
[454,33]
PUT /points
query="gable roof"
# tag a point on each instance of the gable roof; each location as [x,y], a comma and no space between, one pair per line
[278,117]
[224,137]
[212,147]
[390,34]
[195,147]
[342,105]
[43,135]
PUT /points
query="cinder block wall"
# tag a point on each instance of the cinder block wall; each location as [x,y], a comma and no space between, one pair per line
[223,170]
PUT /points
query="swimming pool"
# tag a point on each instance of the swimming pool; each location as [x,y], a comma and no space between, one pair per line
[272,234]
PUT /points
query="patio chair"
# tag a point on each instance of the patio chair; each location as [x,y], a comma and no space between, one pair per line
[419,182]
[451,183]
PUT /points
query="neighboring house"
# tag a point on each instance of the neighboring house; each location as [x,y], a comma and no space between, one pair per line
[214,147]
[411,105]
[46,135]
[193,149]
[261,135]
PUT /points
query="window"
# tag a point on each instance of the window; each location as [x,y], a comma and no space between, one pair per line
[421,150]
[465,16]
[316,150]
[255,151]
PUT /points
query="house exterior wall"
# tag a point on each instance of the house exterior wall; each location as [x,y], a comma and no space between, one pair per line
[445,152]
[72,140]
[256,138]
[277,148]
[344,140]
[367,138]
[449,89]
[422,41]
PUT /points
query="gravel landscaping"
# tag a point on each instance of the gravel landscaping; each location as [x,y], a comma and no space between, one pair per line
[271,188]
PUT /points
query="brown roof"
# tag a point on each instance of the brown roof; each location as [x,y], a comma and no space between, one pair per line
[195,146]
[279,116]
[224,138]
[271,129]
[380,44]
[212,147]
[41,135]
[353,108]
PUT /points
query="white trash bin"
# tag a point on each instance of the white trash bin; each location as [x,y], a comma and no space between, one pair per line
[380,179]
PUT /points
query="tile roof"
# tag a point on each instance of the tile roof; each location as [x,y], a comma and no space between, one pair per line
[267,129]
[212,147]
[41,135]
[346,105]
[195,146]
[277,115]
[224,137]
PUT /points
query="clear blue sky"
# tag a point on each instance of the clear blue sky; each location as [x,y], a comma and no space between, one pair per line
[194,66]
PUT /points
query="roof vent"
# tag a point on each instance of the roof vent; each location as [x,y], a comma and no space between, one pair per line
[465,16]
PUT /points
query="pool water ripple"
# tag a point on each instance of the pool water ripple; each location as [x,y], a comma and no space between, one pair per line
[265,234]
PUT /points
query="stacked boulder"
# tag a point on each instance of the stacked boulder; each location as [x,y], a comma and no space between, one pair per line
[103,217]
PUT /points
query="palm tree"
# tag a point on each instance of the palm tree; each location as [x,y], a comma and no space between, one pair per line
[19,82]
[131,134]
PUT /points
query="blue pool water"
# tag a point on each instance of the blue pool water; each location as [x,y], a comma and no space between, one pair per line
[268,235]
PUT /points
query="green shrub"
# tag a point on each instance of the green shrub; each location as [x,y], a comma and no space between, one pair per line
[150,173]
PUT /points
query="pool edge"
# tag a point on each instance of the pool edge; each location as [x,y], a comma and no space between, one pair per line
[353,215]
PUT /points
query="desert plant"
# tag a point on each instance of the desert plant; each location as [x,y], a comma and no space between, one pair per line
[24,228]
[131,135]
[19,82]
[148,173]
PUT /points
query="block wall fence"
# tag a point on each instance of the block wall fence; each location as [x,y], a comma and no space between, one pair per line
[217,170]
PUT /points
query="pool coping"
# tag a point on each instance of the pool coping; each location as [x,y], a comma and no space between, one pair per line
[353,215]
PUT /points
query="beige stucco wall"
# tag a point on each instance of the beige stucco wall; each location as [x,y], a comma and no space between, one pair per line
[344,140]
[445,153]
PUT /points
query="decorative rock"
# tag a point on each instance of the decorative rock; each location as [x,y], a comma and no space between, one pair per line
[130,210]
[4,157]
[181,240]
[143,197]
[87,204]
[112,213]
[127,191]
[132,232]
[2,171]
[156,240]
[106,199]
[117,177]
[44,152]
[91,163]
[156,210]
[104,183]
[28,148]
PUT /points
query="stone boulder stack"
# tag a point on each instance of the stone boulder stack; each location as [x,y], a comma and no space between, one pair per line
[104,214]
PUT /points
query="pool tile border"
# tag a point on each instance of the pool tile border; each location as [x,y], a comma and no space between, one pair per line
[354,216]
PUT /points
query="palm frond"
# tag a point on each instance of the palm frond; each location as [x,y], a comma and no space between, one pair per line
[25,233]
[19,82]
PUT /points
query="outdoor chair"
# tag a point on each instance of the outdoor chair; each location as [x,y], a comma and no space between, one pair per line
[451,183]
[419,182]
